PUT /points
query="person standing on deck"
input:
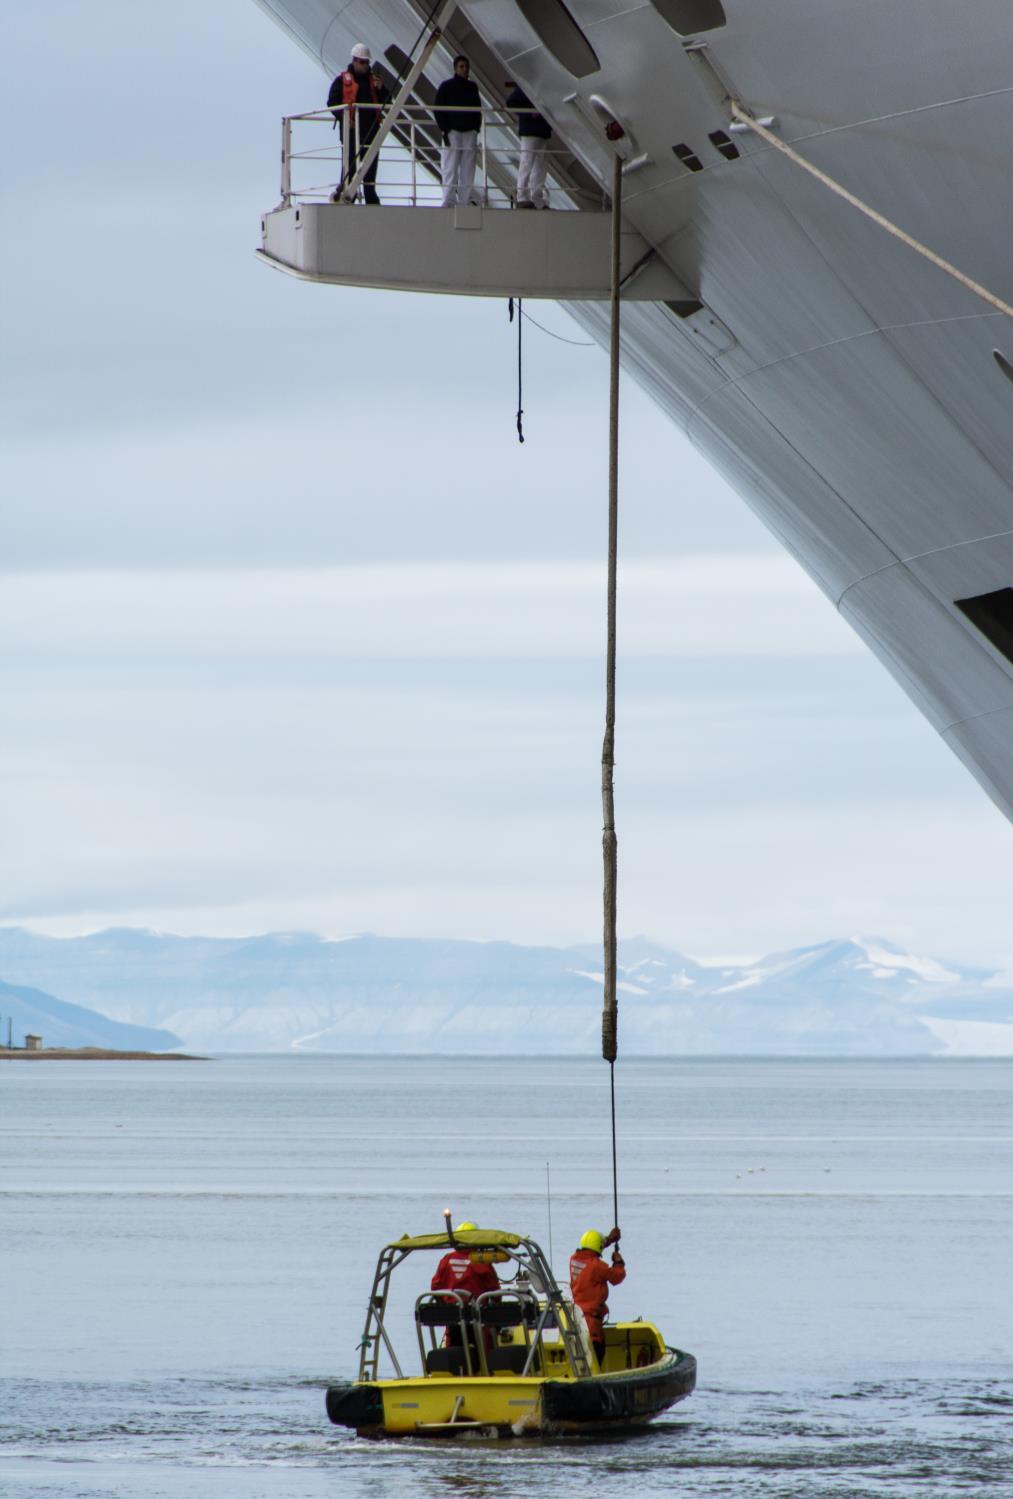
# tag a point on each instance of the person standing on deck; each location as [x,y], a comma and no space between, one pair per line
[535,133]
[357,85]
[590,1279]
[458,117]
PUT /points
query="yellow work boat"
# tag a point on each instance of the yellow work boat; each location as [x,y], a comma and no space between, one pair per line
[511,1362]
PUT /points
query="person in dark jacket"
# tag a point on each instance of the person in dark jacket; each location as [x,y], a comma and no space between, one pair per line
[358,85]
[459,119]
[535,133]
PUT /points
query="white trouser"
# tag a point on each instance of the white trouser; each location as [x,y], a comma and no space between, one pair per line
[531,173]
[459,166]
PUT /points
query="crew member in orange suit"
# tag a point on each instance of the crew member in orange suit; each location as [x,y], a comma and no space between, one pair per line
[457,1271]
[590,1279]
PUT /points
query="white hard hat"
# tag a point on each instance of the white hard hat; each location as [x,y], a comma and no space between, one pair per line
[360,52]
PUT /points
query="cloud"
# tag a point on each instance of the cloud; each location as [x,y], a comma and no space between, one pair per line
[170,402]
[295,632]
[211,453]
[371,748]
[698,606]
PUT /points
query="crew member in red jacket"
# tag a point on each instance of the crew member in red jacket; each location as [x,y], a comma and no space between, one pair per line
[458,1271]
[590,1279]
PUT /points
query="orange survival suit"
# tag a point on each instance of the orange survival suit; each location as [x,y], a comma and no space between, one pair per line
[458,1272]
[590,1279]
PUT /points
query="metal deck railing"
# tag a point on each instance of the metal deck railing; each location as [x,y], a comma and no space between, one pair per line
[315,154]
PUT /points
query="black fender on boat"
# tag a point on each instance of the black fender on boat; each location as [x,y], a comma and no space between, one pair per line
[633,1395]
[358,1405]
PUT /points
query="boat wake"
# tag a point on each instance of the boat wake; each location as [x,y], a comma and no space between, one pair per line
[154,1438]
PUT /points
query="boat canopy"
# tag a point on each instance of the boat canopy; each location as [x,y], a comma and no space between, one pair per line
[472,1238]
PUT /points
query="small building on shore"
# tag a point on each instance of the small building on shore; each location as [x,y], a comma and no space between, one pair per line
[33,1043]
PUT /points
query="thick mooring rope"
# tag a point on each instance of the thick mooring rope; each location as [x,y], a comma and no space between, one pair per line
[609,1019]
[877,218]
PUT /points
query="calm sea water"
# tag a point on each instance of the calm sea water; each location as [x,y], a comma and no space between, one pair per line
[187,1249]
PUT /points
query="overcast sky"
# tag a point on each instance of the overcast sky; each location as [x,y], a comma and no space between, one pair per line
[295,635]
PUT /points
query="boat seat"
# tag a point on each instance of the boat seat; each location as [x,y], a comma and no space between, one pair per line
[439,1314]
[446,1361]
[506,1314]
[511,1359]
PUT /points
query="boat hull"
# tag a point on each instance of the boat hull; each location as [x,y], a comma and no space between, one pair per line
[626,1399]
[504,1406]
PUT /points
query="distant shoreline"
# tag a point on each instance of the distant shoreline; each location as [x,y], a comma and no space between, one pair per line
[92,1054]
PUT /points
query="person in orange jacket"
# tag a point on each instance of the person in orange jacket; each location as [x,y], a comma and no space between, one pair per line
[458,1271]
[590,1279]
[360,91]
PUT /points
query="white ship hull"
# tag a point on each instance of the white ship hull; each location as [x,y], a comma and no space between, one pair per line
[845,387]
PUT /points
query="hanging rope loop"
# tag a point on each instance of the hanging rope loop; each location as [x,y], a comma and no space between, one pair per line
[521,315]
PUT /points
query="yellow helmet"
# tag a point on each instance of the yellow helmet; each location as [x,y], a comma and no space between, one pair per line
[465,1228]
[592,1240]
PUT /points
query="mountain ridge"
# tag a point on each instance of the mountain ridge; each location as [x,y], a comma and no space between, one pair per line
[300,991]
[32,1011]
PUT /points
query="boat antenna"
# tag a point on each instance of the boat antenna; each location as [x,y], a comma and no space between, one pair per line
[609,1019]
[548,1207]
[450,1230]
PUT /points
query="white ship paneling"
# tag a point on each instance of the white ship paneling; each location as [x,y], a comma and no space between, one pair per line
[955,681]
[927,485]
[744,253]
[954,362]
[962,571]
[837,545]
[828,61]
[915,176]
[983,744]
[850,394]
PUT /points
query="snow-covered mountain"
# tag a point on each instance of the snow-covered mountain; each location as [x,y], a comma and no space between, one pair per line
[381,994]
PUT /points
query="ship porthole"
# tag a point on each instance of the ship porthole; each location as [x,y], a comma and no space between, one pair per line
[1003,364]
